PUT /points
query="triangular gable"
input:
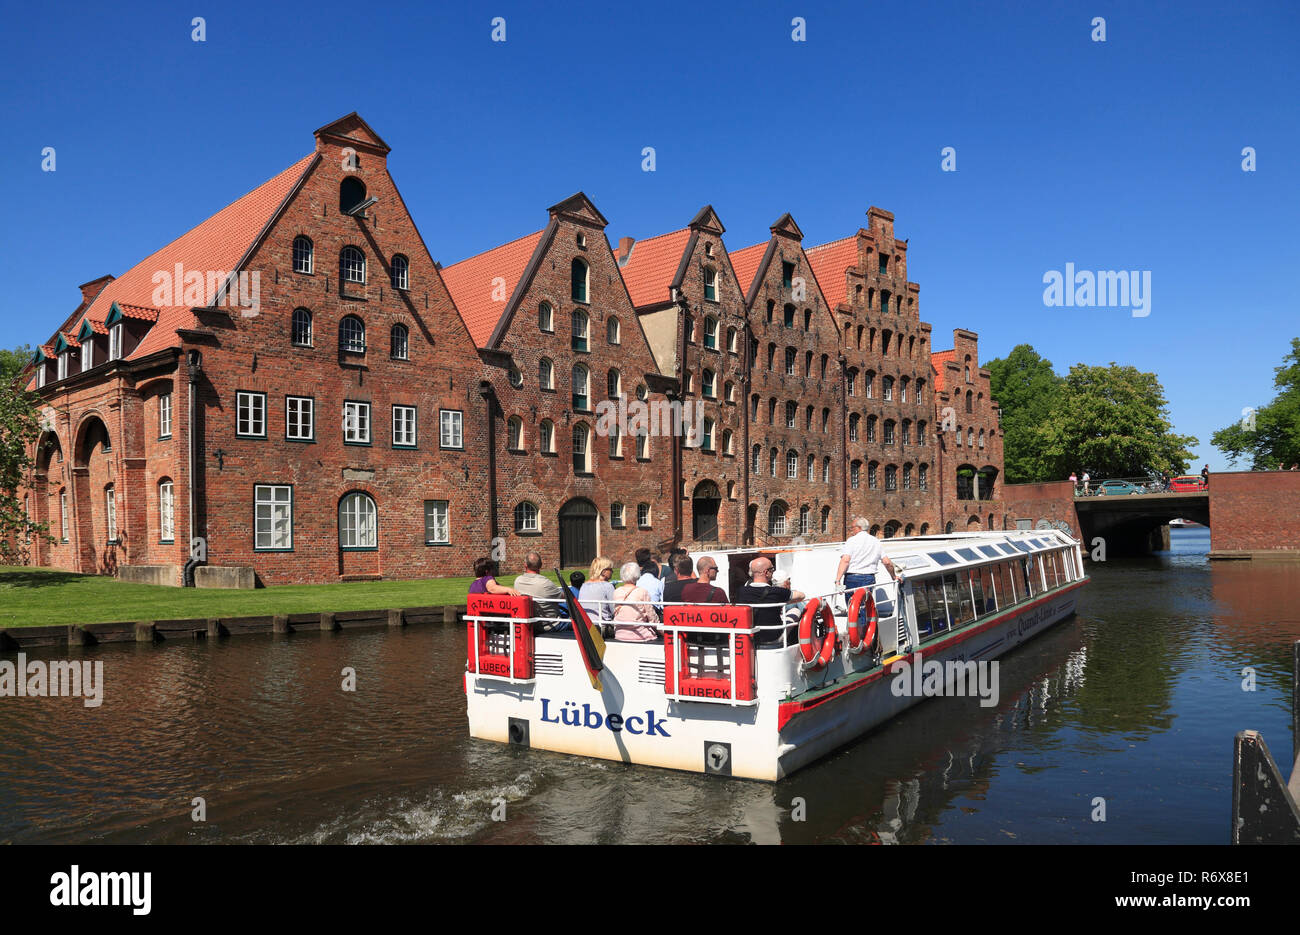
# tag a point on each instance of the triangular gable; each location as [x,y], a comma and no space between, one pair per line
[61,345]
[785,225]
[39,356]
[707,220]
[85,332]
[578,207]
[356,132]
[114,315]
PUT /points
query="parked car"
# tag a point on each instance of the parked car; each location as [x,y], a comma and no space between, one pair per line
[1114,488]
[1187,483]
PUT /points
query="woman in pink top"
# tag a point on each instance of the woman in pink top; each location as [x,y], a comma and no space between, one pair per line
[632,619]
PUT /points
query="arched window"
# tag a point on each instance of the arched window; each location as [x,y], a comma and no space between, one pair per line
[303,254]
[352,335]
[960,436]
[884,341]
[970,438]
[792,465]
[855,474]
[526,517]
[729,391]
[166,512]
[731,340]
[709,385]
[771,357]
[642,445]
[516,377]
[873,482]
[776,519]
[826,419]
[546,374]
[902,390]
[772,457]
[812,468]
[826,470]
[579,322]
[301,327]
[757,460]
[581,449]
[920,388]
[710,332]
[970,397]
[399,341]
[710,284]
[788,317]
[854,419]
[614,383]
[891,477]
[870,383]
[948,529]
[515,434]
[615,443]
[581,388]
[352,265]
[612,333]
[981,438]
[923,478]
[920,432]
[728,442]
[887,387]
[578,276]
[546,436]
[400,272]
[871,428]
[545,317]
[907,477]
[643,515]
[352,191]
[907,431]
[790,357]
[641,392]
[771,411]
[891,529]
[852,379]
[358,522]
[791,414]
[826,519]
[110,512]
[706,443]
[804,528]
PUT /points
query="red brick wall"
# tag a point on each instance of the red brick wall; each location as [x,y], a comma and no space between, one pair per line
[1255,510]
[1053,501]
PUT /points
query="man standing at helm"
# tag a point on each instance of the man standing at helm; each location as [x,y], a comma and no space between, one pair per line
[860,563]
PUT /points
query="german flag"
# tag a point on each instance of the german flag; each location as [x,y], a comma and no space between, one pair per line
[590,643]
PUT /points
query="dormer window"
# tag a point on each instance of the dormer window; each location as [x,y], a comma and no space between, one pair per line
[115,342]
[87,354]
[63,365]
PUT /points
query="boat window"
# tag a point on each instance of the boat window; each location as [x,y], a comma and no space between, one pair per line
[1057,578]
[1037,543]
[968,554]
[989,586]
[938,608]
[957,590]
[942,558]
[1020,546]
[989,550]
[977,588]
[1006,548]
[1029,577]
[921,600]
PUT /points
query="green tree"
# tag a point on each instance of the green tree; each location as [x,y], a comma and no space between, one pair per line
[19,427]
[1270,436]
[1112,422]
[1028,391]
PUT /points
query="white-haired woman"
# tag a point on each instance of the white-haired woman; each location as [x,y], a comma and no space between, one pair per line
[633,615]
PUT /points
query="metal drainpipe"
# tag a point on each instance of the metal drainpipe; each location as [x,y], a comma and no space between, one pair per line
[746,384]
[679,470]
[844,448]
[939,436]
[193,367]
[489,397]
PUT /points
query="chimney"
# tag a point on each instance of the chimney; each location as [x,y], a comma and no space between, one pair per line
[624,249]
[93,288]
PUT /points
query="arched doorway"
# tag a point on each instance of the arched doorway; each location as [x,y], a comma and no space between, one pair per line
[577,532]
[704,511]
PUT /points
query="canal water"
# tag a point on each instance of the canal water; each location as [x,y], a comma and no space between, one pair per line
[1131,706]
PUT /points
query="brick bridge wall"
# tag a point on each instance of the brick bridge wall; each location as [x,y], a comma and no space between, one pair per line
[1253,510]
[1052,501]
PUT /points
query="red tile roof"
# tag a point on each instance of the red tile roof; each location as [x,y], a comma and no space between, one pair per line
[70,338]
[96,326]
[218,244]
[745,263]
[652,265]
[937,360]
[479,299]
[829,261]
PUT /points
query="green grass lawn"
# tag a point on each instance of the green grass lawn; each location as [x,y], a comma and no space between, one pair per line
[43,596]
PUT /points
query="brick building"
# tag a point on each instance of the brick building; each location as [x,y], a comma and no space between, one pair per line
[294,386]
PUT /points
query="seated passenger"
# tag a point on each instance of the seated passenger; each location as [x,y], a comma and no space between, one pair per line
[649,577]
[760,589]
[548,599]
[485,579]
[634,617]
[575,582]
[682,576]
[598,590]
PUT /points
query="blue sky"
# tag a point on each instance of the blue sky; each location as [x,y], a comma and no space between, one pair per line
[1115,155]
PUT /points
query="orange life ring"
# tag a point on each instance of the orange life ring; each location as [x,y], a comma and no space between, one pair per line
[816,654]
[856,644]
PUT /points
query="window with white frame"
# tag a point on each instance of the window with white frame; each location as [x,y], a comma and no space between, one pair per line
[437,523]
[710,385]
[352,335]
[546,436]
[791,414]
[581,449]
[356,423]
[887,387]
[616,517]
[299,418]
[643,446]
[166,512]
[303,254]
[615,444]
[790,358]
[756,459]
[401,272]
[546,374]
[826,470]
[711,332]
[579,321]
[643,515]
[63,365]
[772,458]
[545,317]
[250,415]
[63,514]
[612,332]
[776,519]
[710,285]
[399,342]
[581,388]
[88,352]
[301,327]
[812,467]
[706,443]
[451,428]
[526,517]
[110,512]
[614,384]
[515,433]
[165,415]
[804,527]
[115,342]
[578,276]
[403,426]
[358,522]
[352,265]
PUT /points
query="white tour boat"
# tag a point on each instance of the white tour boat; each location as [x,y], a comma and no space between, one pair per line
[708,698]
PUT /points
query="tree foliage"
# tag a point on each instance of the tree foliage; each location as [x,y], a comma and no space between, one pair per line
[19,427]
[1110,421]
[1270,436]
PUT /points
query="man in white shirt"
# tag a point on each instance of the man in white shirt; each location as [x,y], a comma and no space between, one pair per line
[860,562]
